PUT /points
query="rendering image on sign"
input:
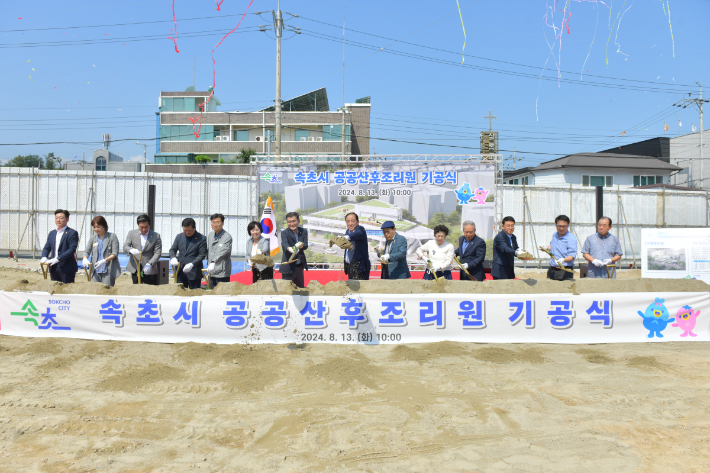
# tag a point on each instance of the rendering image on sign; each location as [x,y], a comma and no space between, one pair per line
[415,196]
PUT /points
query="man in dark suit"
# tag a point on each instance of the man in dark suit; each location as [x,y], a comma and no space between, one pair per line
[188,251]
[471,252]
[294,239]
[60,249]
[505,249]
[357,260]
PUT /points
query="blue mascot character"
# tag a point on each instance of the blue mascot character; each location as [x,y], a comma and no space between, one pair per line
[464,193]
[656,318]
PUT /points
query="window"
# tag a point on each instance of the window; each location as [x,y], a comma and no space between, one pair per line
[333,132]
[101,164]
[302,134]
[167,105]
[594,181]
[647,180]
[526,181]
[241,135]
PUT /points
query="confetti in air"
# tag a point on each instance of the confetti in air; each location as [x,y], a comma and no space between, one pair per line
[219,4]
[171,31]
[203,106]
[464,31]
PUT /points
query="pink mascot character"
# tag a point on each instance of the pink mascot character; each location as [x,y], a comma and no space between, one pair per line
[685,319]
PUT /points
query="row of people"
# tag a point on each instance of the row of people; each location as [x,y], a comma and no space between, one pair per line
[600,249]
[145,247]
[190,248]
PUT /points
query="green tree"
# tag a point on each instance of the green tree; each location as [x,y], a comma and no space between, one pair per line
[244,156]
[343,198]
[29,161]
[202,159]
[51,162]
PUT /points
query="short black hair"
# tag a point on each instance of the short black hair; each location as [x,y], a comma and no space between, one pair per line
[441,228]
[253,225]
[564,218]
[507,219]
[219,216]
[600,218]
[188,222]
[292,214]
[352,213]
[60,211]
[143,218]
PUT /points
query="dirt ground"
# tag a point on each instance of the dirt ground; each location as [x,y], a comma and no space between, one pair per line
[76,405]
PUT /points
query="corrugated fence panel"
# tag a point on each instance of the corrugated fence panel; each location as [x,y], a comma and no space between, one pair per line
[28,199]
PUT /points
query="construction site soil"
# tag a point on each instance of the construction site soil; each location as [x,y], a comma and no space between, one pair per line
[78,405]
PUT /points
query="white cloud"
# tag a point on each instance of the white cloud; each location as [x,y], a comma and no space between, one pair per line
[138,157]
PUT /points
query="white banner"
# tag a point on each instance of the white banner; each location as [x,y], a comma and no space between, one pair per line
[362,318]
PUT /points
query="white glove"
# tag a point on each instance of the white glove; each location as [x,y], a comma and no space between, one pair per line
[53,261]
[43,260]
[99,263]
[294,249]
[597,263]
[174,262]
[347,237]
[299,245]
[561,262]
[188,267]
[146,268]
[385,258]
[518,252]
[134,251]
[210,268]
[465,265]
[436,269]
[606,261]
[85,262]
[259,252]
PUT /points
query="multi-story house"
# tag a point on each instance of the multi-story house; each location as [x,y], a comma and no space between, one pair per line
[308,127]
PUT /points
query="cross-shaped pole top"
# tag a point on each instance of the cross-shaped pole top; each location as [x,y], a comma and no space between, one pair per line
[490,118]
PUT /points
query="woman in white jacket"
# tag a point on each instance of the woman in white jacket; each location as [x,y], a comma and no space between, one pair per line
[440,252]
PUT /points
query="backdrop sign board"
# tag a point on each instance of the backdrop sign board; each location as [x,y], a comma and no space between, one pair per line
[675,253]
[416,196]
[362,318]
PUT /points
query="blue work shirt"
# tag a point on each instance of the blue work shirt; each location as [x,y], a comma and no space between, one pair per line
[601,249]
[562,247]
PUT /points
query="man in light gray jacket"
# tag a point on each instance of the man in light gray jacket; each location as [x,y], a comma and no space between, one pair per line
[149,243]
[219,251]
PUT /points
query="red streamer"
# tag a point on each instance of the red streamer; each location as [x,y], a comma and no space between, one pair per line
[171,31]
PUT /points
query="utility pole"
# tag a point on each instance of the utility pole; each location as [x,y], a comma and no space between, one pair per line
[278,25]
[698,103]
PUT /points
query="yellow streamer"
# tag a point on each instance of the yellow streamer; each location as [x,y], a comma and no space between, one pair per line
[669,24]
[464,31]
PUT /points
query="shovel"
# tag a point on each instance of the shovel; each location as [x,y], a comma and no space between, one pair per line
[175,273]
[431,268]
[613,271]
[552,255]
[458,261]
[88,271]
[45,269]
[138,266]
[206,277]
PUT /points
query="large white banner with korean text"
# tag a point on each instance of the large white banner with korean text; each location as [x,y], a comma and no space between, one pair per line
[362,318]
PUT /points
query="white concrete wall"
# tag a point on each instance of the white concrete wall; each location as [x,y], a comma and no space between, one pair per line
[686,147]
[565,176]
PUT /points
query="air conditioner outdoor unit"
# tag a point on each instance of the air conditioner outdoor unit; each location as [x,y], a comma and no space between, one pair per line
[260,138]
[217,138]
[225,138]
[311,138]
[303,138]
[319,138]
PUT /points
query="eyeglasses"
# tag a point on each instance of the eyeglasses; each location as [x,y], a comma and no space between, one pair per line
[562,226]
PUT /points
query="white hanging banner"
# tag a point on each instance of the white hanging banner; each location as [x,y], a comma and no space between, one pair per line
[362,318]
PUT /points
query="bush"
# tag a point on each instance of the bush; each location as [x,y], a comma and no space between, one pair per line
[202,159]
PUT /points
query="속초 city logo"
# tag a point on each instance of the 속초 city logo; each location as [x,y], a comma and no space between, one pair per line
[45,320]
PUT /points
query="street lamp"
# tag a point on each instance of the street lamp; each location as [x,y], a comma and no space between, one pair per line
[145,161]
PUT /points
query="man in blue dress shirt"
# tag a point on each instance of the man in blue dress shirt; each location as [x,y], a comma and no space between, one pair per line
[564,247]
